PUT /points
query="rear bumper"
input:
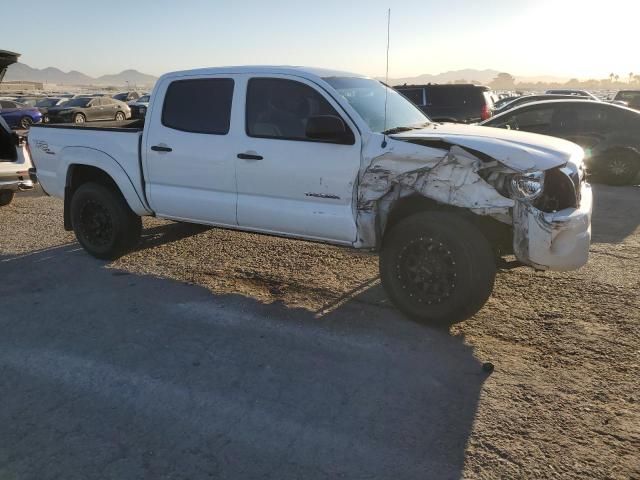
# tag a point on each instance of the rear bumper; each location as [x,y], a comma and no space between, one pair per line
[554,241]
[16,184]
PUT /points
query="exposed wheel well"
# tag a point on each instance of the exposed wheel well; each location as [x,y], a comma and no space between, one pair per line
[499,235]
[78,175]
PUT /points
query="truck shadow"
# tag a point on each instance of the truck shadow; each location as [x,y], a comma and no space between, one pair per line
[141,377]
[616,213]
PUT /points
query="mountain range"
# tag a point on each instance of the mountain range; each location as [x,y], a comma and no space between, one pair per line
[482,77]
[21,71]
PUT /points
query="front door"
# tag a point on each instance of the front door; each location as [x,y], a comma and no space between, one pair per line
[188,152]
[289,183]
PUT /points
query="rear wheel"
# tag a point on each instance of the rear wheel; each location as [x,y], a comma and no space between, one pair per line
[120,117]
[621,167]
[79,118]
[103,222]
[26,122]
[437,267]
[6,197]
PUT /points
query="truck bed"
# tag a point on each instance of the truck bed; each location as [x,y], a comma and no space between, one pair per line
[135,125]
[113,147]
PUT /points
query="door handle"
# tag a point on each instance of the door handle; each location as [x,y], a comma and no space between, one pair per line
[160,148]
[249,156]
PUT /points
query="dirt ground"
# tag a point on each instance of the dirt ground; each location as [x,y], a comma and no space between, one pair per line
[564,398]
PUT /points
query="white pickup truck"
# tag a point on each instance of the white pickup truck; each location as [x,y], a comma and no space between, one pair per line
[330,157]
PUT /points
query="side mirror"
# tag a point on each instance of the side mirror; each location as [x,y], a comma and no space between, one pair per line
[329,128]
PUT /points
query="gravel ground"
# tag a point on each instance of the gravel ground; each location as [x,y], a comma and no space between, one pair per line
[218,354]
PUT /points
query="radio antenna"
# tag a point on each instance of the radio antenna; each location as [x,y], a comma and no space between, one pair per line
[386,81]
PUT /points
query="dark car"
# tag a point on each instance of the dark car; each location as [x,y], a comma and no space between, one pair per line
[139,107]
[609,134]
[536,98]
[18,115]
[572,92]
[451,103]
[44,104]
[80,110]
[631,98]
[127,96]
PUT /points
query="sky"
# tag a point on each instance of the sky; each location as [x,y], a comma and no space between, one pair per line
[565,38]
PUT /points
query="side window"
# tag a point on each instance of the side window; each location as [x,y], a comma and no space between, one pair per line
[200,105]
[534,118]
[592,118]
[5,104]
[279,108]
[415,95]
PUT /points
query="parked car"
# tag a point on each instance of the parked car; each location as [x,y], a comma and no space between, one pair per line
[503,101]
[311,154]
[127,96]
[14,164]
[630,98]
[81,110]
[44,104]
[27,101]
[610,134]
[18,115]
[568,91]
[140,106]
[451,103]
[530,99]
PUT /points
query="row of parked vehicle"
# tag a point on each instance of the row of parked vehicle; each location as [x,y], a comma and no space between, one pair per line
[608,131]
[21,112]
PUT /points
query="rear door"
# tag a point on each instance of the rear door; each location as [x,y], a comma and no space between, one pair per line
[188,150]
[289,183]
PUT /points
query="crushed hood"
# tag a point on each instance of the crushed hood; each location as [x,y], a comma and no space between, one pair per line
[520,151]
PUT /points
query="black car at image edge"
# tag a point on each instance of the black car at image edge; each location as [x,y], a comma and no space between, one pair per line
[609,134]
[459,103]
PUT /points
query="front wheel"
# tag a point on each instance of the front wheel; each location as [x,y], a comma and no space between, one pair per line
[103,222]
[621,168]
[120,117]
[26,122]
[6,197]
[79,118]
[437,267]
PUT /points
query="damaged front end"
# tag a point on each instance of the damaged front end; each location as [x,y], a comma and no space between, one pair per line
[549,212]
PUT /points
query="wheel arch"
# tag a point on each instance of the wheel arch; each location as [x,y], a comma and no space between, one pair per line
[499,235]
[84,165]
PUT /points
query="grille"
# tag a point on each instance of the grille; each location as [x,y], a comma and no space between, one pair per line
[561,190]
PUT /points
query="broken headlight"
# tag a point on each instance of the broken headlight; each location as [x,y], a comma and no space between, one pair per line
[527,186]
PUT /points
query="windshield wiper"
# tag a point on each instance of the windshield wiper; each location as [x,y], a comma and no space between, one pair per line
[393,130]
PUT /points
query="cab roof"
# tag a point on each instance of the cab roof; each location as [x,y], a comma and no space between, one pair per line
[266,69]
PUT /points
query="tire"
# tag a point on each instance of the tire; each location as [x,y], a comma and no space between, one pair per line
[104,224]
[437,267]
[120,116]
[6,197]
[26,122]
[620,167]
[79,118]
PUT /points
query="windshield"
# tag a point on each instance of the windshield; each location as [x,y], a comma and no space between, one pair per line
[47,102]
[78,102]
[367,97]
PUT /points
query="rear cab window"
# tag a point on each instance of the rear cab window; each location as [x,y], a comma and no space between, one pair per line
[454,96]
[201,105]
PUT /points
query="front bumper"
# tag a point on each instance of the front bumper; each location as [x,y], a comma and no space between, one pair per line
[554,241]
